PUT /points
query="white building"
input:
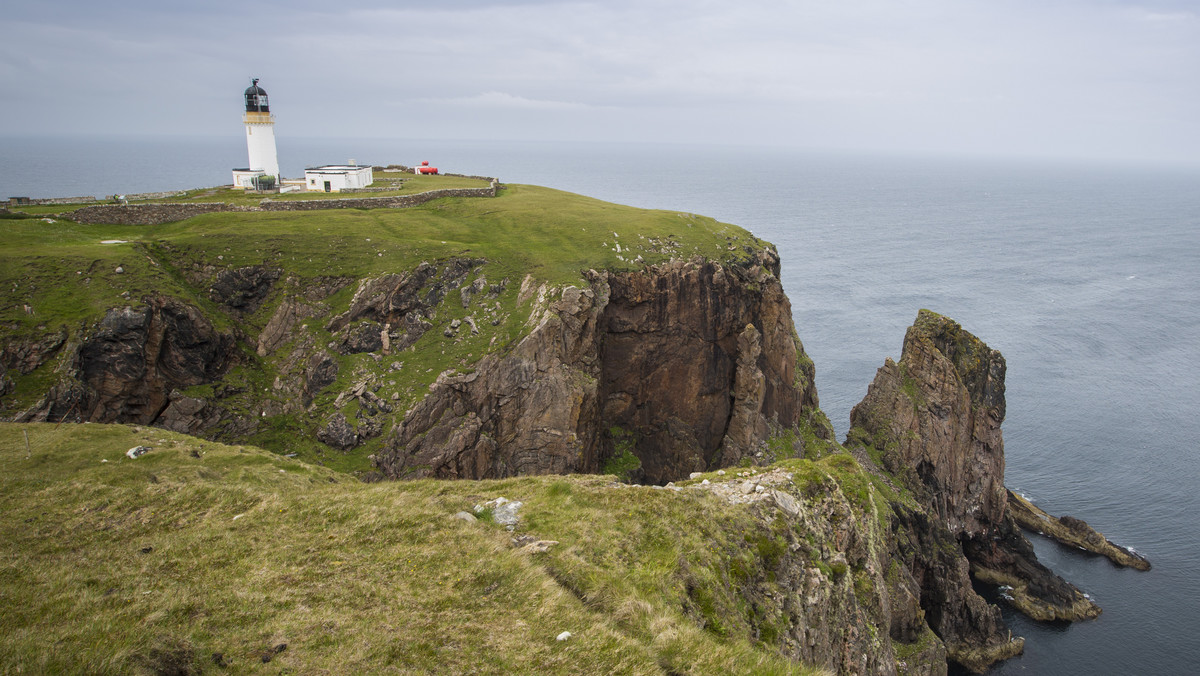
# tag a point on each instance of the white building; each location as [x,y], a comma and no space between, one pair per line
[260,139]
[337,177]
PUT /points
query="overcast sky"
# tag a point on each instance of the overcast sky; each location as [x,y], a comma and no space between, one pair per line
[1070,78]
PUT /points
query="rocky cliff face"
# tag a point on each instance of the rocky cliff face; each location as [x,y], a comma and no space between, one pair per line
[691,365]
[125,368]
[670,369]
[939,412]
[933,421]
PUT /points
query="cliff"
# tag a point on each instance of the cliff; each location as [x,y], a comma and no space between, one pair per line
[542,334]
[932,421]
[687,365]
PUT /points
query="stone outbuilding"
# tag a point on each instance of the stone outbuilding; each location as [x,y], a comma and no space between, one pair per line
[337,177]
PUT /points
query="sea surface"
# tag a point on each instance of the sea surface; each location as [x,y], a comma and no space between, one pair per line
[1085,276]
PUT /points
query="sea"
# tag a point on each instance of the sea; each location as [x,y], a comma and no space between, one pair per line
[1084,274]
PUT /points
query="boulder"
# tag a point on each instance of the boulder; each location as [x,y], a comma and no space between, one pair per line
[338,433]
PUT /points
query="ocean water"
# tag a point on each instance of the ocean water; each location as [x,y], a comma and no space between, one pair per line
[1085,276]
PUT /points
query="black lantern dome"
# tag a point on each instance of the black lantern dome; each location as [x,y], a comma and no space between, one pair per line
[256,99]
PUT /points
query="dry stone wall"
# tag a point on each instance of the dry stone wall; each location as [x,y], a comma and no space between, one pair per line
[154,214]
[147,214]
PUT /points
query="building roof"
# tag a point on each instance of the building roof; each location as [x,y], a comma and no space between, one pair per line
[337,169]
[256,98]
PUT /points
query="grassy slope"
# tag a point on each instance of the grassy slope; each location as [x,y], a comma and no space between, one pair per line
[68,278]
[111,565]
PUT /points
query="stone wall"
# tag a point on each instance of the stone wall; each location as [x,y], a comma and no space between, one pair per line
[492,179]
[154,214]
[392,202]
[386,188]
[153,195]
[40,201]
[147,214]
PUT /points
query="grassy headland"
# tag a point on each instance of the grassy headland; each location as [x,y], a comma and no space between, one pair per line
[199,554]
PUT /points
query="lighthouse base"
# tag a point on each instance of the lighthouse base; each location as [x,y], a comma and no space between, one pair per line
[244,178]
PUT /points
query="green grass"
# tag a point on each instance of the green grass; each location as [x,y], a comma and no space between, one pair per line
[112,565]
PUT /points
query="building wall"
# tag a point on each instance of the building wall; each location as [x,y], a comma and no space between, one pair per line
[260,143]
[339,181]
[241,179]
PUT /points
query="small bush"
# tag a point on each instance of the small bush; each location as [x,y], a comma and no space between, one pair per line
[623,466]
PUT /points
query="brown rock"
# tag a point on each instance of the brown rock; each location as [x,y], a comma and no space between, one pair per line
[278,330]
[934,418]
[243,289]
[681,358]
[1071,531]
[24,356]
[940,410]
[128,367]
[338,433]
[190,415]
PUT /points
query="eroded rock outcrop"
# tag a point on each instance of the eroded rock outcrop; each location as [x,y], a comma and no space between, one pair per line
[938,411]
[653,354]
[243,290]
[1073,532]
[127,367]
[933,419]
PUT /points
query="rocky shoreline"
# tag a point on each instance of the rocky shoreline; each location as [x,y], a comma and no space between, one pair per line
[1072,532]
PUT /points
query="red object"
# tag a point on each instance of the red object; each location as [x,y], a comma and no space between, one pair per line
[426,169]
[425,163]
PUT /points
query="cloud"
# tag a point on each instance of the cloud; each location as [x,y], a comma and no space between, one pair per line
[1109,77]
[496,99]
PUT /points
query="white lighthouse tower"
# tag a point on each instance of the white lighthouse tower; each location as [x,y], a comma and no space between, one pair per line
[260,139]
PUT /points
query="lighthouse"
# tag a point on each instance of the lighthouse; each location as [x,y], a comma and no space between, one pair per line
[260,139]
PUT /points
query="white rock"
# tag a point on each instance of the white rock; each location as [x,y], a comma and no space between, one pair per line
[539,546]
[504,511]
[787,503]
[705,482]
[563,636]
[694,475]
[136,452]
[720,472]
[760,488]
[464,516]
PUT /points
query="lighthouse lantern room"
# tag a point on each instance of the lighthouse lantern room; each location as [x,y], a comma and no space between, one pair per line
[260,140]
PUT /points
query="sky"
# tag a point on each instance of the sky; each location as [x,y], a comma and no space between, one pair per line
[1039,78]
